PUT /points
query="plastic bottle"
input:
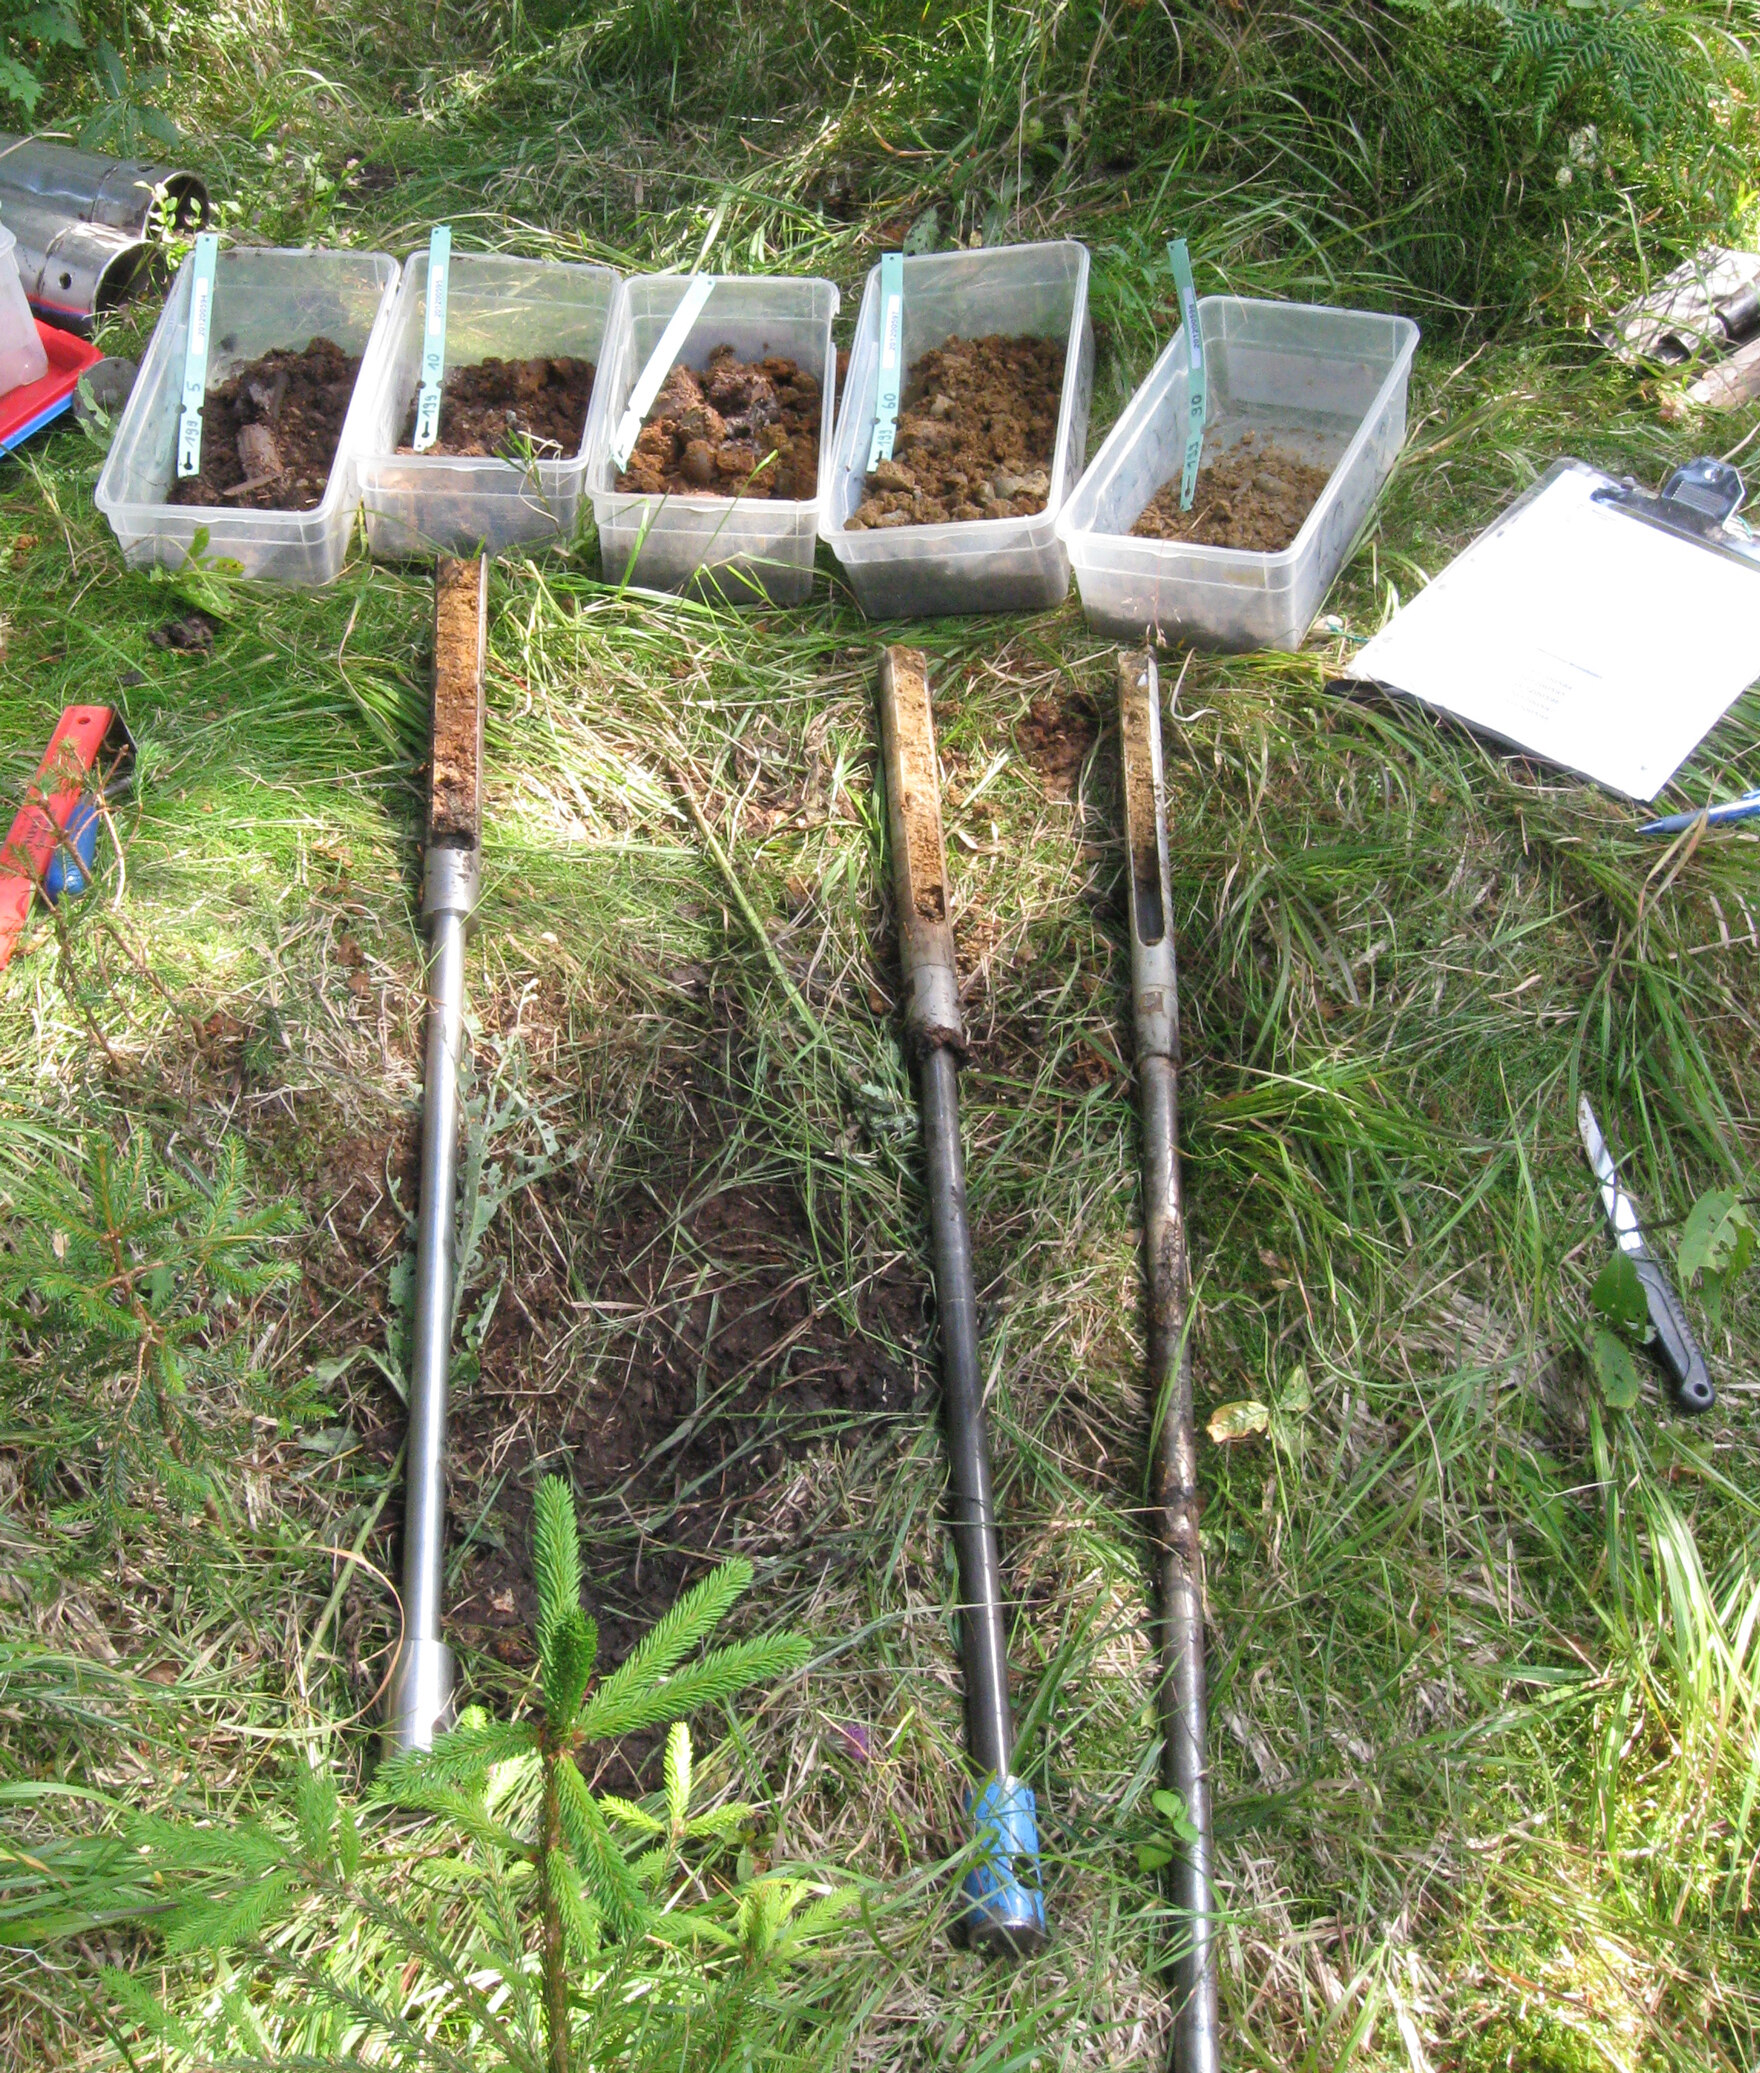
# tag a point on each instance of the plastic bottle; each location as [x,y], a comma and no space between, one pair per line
[22,358]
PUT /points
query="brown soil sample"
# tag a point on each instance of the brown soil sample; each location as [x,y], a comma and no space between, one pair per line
[977,430]
[269,434]
[510,408]
[708,433]
[1055,737]
[1255,496]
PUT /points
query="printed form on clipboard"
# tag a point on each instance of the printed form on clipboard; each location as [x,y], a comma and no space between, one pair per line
[1595,626]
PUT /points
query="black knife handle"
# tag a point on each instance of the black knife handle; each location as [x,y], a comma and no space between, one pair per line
[1675,1343]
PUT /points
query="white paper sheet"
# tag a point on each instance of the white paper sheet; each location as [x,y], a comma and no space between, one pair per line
[1581,635]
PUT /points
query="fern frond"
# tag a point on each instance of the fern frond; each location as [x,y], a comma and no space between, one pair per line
[718,1676]
[556,1557]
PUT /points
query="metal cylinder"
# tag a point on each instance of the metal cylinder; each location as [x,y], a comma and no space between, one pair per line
[1005,1909]
[84,221]
[983,1642]
[1174,1497]
[88,187]
[420,1699]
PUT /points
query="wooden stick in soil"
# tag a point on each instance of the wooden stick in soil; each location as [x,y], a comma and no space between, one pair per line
[1174,1460]
[1005,1907]
[420,1700]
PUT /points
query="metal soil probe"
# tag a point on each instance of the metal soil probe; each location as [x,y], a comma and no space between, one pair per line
[419,1701]
[1005,1911]
[1174,1475]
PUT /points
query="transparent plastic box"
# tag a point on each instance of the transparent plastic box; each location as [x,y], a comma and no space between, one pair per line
[979,564]
[496,307]
[740,550]
[262,298]
[1327,385]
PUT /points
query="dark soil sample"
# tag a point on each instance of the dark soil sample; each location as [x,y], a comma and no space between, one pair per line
[1055,738]
[708,433]
[269,434]
[1255,496]
[718,1361]
[510,409]
[977,431]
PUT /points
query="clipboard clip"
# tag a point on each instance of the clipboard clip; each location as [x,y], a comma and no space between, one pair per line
[1698,502]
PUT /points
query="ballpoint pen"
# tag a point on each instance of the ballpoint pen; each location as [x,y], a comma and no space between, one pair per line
[1744,809]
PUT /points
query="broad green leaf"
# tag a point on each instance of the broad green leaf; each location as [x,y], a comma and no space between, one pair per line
[1615,1370]
[1619,1296]
[1238,1421]
[1173,1810]
[1153,1856]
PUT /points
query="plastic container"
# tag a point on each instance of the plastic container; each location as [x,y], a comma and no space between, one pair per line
[496,307]
[22,358]
[979,564]
[262,298]
[739,550]
[1327,385]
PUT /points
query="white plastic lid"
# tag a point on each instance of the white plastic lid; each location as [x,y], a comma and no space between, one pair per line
[8,238]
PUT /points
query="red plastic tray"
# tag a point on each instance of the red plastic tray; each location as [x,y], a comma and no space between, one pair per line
[27,410]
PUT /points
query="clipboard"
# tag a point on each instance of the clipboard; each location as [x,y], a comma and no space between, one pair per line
[1596,626]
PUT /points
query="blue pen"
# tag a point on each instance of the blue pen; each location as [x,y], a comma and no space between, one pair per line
[1746,809]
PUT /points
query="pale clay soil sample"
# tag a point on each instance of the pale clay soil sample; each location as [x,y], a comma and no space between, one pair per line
[1254,496]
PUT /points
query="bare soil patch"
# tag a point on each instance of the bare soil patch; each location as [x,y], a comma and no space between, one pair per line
[269,435]
[511,409]
[741,428]
[1056,737]
[709,1359]
[977,429]
[1253,496]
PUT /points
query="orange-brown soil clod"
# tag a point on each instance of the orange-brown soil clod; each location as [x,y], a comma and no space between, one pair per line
[740,428]
[977,432]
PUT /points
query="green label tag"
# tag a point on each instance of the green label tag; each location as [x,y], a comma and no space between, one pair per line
[195,356]
[891,377]
[1197,382]
[433,337]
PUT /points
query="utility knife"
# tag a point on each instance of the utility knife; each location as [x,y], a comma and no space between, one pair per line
[1675,1343]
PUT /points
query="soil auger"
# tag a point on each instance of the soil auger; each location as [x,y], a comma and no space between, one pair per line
[1005,1907]
[419,1701]
[1173,1510]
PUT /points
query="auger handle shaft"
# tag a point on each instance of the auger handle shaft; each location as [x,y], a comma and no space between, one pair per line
[1005,1909]
[1174,1466]
[419,1700]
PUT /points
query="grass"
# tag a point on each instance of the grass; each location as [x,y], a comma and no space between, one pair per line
[1483,1653]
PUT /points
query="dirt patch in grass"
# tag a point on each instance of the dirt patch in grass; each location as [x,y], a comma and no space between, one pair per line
[1055,737]
[702,1358]
[511,409]
[269,435]
[1254,496]
[741,428]
[977,430]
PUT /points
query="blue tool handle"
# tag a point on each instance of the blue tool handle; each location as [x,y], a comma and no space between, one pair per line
[1675,1343]
[80,836]
[1005,1905]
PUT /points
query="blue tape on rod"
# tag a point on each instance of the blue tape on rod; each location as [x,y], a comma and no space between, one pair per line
[1197,381]
[195,355]
[1002,1889]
